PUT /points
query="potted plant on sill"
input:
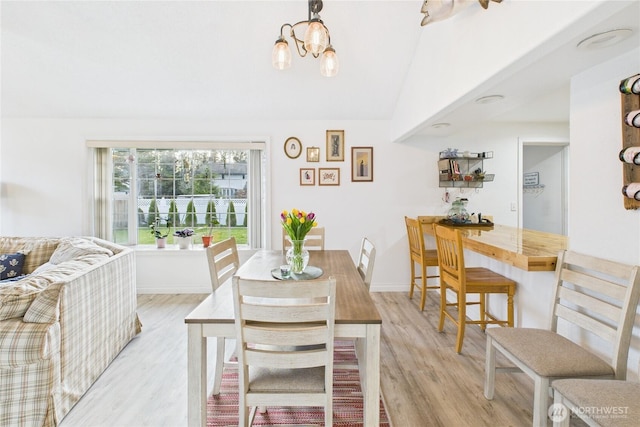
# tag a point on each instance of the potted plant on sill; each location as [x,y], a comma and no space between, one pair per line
[161,239]
[208,238]
[184,237]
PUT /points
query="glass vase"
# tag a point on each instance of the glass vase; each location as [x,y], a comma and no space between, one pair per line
[297,256]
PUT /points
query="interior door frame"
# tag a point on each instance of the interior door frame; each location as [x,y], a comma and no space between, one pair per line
[532,142]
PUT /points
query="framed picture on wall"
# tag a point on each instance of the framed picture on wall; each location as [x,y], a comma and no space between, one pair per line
[328,176]
[335,146]
[313,154]
[307,176]
[362,164]
[292,147]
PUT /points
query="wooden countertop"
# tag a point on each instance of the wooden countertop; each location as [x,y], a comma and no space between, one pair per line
[528,250]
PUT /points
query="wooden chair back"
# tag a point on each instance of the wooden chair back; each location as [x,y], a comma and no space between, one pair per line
[416,240]
[599,296]
[314,240]
[223,261]
[450,256]
[285,334]
[366,260]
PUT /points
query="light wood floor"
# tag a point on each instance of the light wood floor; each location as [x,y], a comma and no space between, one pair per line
[424,382]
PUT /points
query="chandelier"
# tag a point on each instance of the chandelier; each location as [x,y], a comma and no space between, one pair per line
[316,40]
[437,10]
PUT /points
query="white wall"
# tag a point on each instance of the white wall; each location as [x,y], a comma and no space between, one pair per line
[47,182]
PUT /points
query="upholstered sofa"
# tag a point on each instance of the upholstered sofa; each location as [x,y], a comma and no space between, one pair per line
[63,318]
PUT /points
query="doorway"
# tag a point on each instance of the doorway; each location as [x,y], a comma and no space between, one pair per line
[544,189]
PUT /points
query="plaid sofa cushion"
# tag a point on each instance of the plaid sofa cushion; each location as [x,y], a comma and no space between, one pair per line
[37,250]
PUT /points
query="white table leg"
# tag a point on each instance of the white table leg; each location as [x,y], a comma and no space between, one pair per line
[371,385]
[197,376]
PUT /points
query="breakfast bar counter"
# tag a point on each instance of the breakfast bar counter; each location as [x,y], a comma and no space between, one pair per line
[527,250]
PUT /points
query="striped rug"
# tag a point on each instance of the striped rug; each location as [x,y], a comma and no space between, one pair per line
[222,410]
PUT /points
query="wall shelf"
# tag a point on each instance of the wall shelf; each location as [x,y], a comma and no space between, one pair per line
[630,138]
[462,171]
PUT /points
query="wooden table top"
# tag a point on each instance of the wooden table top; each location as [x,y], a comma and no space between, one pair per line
[353,302]
[528,250]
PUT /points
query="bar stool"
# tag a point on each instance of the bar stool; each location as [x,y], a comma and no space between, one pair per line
[423,257]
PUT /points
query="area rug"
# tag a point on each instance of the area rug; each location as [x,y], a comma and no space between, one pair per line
[222,410]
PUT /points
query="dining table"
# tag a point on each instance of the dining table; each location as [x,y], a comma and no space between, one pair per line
[356,317]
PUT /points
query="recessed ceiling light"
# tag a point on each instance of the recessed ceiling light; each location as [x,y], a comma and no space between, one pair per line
[440,125]
[605,39]
[489,99]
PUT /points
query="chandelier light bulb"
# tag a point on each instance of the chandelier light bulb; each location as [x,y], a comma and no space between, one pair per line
[281,55]
[329,63]
[316,37]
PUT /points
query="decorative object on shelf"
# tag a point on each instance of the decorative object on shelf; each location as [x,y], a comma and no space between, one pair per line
[328,176]
[297,224]
[184,237]
[633,118]
[335,145]
[464,170]
[632,190]
[437,10]
[313,154]
[361,164]
[316,40]
[161,239]
[292,147]
[458,213]
[307,176]
[631,85]
[630,155]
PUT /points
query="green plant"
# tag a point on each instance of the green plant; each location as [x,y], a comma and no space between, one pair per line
[231,215]
[153,212]
[174,217]
[244,222]
[190,219]
[211,218]
[297,223]
[155,229]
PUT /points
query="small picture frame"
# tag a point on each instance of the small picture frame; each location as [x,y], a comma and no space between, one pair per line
[335,146]
[292,147]
[361,164]
[313,154]
[328,176]
[307,176]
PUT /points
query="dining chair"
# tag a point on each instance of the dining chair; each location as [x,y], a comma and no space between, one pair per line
[605,403]
[284,336]
[223,261]
[462,281]
[314,239]
[592,297]
[421,256]
[366,260]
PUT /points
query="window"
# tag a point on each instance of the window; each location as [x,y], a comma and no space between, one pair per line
[213,190]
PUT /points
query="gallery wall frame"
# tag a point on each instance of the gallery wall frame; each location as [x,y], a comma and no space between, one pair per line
[328,176]
[335,145]
[307,176]
[313,154]
[361,164]
[292,147]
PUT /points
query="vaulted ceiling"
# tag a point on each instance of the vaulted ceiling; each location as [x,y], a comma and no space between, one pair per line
[212,60]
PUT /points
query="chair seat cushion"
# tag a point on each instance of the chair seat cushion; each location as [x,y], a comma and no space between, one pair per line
[549,354]
[608,402]
[307,380]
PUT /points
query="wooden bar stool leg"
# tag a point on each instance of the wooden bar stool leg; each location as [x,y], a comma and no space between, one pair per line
[510,309]
[462,320]
[423,296]
[413,279]
[483,311]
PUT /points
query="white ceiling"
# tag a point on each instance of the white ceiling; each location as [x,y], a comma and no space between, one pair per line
[200,59]
[212,60]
